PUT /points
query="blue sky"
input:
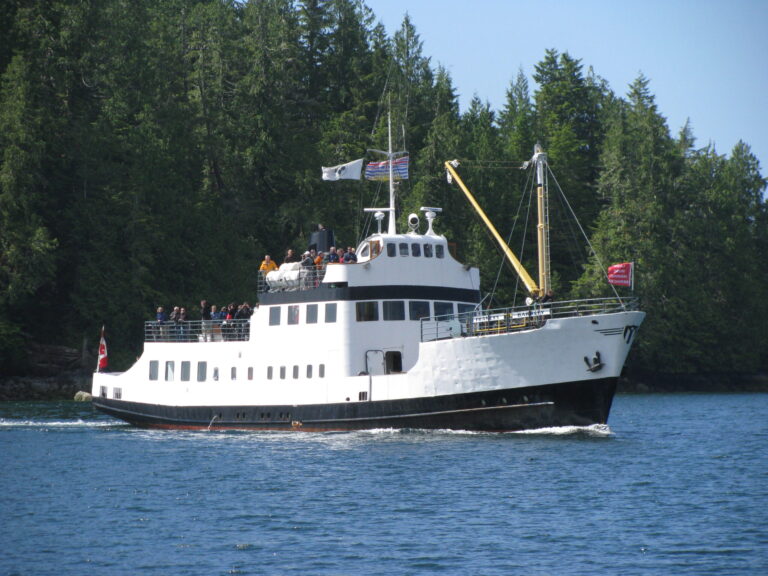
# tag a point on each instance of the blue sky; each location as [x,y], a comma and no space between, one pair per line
[707,60]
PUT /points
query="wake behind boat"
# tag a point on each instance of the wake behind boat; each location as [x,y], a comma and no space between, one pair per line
[396,340]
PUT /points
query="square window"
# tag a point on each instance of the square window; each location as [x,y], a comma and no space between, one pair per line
[274,316]
[233,373]
[394,310]
[311,313]
[391,250]
[330,313]
[418,309]
[443,309]
[282,372]
[367,311]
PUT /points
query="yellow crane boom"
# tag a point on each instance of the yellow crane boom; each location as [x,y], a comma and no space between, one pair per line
[530,284]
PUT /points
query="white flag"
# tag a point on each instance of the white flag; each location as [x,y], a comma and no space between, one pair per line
[348,171]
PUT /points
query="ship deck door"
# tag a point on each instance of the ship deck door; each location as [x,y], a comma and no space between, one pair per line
[374,362]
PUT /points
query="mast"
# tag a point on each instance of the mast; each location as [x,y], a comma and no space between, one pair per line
[542,203]
[392,228]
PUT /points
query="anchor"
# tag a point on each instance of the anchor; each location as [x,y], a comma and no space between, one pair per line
[595,364]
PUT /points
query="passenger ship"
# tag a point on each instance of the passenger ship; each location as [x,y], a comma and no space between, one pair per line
[398,339]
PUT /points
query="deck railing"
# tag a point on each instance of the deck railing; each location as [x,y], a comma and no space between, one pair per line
[504,320]
[197,331]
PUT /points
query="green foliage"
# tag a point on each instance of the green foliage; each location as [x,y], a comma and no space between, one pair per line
[152,152]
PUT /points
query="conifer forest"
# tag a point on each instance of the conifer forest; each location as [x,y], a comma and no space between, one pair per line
[151,153]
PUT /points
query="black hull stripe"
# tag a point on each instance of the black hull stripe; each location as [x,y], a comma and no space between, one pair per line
[577,403]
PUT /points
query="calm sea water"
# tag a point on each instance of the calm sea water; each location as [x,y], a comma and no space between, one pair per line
[677,485]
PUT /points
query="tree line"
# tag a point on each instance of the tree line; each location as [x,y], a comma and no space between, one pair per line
[152,152]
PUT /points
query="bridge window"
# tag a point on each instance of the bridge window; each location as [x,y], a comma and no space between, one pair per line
[418,309]
[293,315]
[403,248]
[394,310]
[466,308]
[391,249]
[443,309]
[154,369]
[185,370]
[274,316]
[367,311]
[427,250]
[415,249]
[439,251]
[330,313]
[202,371]
[311,313]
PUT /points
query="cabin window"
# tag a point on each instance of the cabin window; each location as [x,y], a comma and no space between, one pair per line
[309,370]
[443,309]
[415,249]
[170,368]
[282,372]
[391,249]
[427,250]
[403,248]
[418,309]
[295,372]
[250,372]
[117,393]
[233,373]
[103,391]
[269,372]
[293,314]
[364,252]
[216,374]
[321,371]
[394,310]
[274,316]
[330,313]
[466,308]
[202,371]
[154,369]
[311,313]
[367,311]
[393,361]
[362,396]
[185,370]
[439,251]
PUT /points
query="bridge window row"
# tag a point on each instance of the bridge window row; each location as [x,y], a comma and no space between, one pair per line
[415,249]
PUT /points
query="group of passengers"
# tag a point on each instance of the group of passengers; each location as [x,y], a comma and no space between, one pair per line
[228,322]
[313,263]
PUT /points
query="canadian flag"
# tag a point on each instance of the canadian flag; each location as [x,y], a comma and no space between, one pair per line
[103,360]
[621,274]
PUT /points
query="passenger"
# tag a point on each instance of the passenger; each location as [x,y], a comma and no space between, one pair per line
[161,332]
[319,267]
[350,256]
[174,320]
[548,297]
[241,319]
[205,321]
[332,256]
[182,323]
[268,265]
[340,254]
[215,324]
[290,256]
[307,270]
